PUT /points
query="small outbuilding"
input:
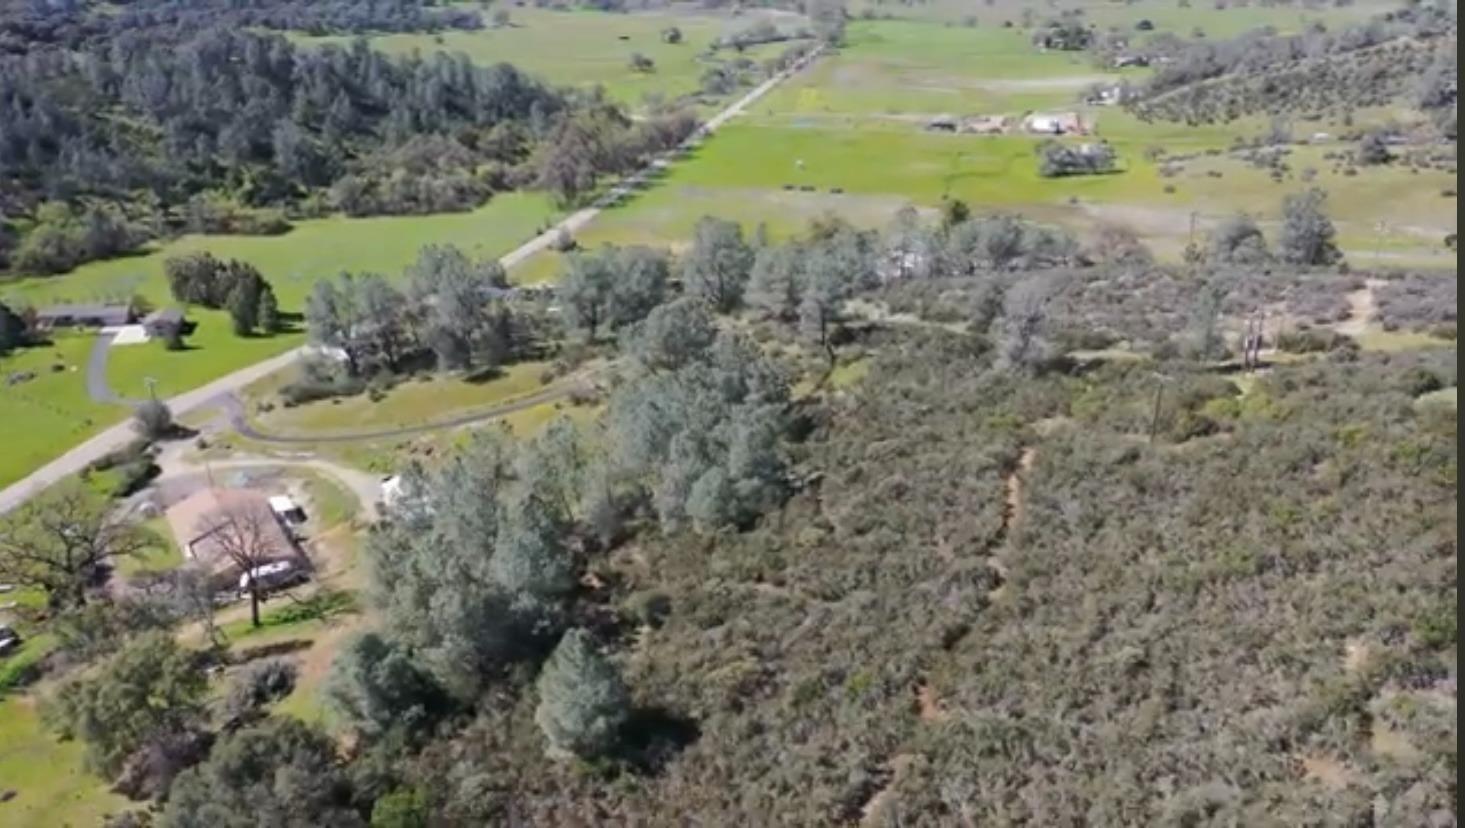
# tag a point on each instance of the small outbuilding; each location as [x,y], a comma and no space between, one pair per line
[1055,123]
[162,322]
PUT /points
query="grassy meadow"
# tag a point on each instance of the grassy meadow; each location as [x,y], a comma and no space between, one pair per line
[51,410]
[412,402]
[585,48]
[1230,19]
[847,137]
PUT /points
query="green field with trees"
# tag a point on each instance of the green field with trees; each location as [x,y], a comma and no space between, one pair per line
[857,468]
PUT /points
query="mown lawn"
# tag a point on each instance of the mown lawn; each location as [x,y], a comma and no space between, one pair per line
[51,412]
[584,48]
[52,789]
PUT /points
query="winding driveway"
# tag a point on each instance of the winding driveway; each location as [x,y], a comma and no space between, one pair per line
[221,391]
[239,420]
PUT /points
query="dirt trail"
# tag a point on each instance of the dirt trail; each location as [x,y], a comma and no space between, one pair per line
[1014,486]
[899,765]
[1362,308]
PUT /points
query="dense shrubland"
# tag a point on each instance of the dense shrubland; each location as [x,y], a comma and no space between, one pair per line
[999,579]
[1408,55]
[1183,602]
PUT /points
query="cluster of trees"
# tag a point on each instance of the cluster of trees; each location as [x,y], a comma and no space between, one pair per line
[237,122]
[477,570]
[1307,238]
[699,430]
[451,310]
[611,288]
[14,332]
[599,139]
[1057,159]
[1068,34]
[201,279]
[63,236]
[1260,50]
[77,23]
[1406,56]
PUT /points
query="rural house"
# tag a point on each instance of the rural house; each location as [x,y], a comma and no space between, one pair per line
[1055,123]
[199,520]
[84,316]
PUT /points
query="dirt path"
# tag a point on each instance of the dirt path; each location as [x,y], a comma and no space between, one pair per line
[1014,486]
[239,420]
[1362,308]
[899,765]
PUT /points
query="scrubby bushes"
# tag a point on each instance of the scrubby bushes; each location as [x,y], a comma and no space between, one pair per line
[1417,302]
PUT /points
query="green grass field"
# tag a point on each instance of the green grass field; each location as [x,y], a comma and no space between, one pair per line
[1166,15]
[584,48]
[413,402]
[53,790]
[853,123]
[53,410]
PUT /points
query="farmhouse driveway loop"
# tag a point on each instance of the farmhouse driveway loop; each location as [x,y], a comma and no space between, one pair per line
[96,373]
[221,390]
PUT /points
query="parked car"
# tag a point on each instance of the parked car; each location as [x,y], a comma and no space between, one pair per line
[273,576]
[9,640]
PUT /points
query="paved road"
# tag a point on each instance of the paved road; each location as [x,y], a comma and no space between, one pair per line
[220,391]
[118,435]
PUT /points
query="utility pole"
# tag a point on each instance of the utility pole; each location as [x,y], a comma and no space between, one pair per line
[1159,395]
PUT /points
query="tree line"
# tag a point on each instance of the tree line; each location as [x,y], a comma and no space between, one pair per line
[238,123]
[72,24]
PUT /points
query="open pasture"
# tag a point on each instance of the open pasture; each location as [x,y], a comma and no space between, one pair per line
[848,137]
[1217,19]
[585,48]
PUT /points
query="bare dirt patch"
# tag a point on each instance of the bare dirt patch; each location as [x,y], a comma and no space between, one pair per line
[928,706]
[1362,309]
[1355,655]
[1328,771]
